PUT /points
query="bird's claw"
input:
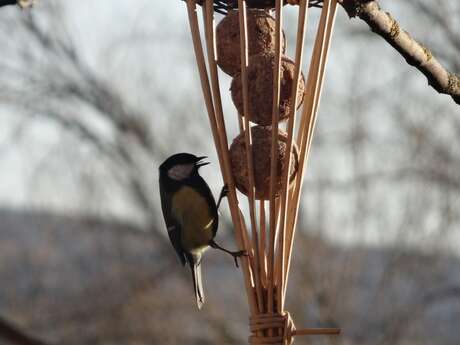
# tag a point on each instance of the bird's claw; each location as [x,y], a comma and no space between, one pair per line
[224,191]
[223,194]
[238,254]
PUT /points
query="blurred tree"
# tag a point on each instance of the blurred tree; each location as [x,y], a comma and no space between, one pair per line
[383,173]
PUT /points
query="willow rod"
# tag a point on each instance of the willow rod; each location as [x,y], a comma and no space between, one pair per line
[329,29]
[317,331]
[232,199]
[289,144]
[307,117]
[263,242]
[248,143]
[274,151]
[208,16]
[308,124]
[322,45]
[307,130]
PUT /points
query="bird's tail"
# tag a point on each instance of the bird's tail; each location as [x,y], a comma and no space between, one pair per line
[197,283]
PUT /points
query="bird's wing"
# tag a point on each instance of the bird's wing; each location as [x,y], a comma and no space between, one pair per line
[174,236]
[205,191]
[174,230]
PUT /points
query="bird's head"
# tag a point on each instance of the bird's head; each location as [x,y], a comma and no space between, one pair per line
[181,166]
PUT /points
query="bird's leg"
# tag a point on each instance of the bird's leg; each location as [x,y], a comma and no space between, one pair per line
[235,254]
[223,194]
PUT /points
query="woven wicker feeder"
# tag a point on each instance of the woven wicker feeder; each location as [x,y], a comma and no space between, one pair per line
[269,244]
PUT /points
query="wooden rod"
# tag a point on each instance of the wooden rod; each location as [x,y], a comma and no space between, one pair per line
[248,143]
[263,242]
[277,226]
[289,144]
[327,44]
[308,126]
[306,117]
[274,156]
[232,199]
[250,250]
[308,131]
[208,16]
[312,87]
[241,123]
[317,331]
[322,45]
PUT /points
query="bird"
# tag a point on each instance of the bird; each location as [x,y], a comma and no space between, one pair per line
[190,213]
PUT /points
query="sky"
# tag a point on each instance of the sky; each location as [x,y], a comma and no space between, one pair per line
[110,33]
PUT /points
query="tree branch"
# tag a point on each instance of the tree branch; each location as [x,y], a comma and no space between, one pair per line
[15,336]
[7,2]
[21,3]
[417,55]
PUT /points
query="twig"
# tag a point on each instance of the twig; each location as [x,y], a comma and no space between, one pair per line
[16,336]
[248,146]
[284,207]
[417,55]
[21,3]
[308,119]
[274,158]
[7,2]
[218,131]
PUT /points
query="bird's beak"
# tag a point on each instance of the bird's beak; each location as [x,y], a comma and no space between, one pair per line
[199,164]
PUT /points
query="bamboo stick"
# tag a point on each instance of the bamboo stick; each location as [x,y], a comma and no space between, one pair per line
[309,125]
[277,234]
[208,16]
[248,244]
[263,242]
[208,19]
[248,143]
[322,45]
[329,29]
[313,75]
[308,131]
[316,331]
[241,123]
[289,144]
[312,87]
[274,161]
[233,201]
[305,120]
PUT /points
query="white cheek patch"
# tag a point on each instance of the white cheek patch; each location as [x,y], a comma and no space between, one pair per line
[180,171]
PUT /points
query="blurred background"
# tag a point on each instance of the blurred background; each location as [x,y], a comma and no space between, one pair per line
[94,95]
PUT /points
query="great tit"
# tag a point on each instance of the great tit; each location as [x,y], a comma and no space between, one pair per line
[190,213]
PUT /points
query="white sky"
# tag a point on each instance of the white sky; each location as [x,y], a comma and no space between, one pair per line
[96,25]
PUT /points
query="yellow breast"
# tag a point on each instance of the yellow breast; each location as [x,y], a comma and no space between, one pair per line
[194,216]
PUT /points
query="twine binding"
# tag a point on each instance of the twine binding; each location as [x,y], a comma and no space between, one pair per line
[261,323]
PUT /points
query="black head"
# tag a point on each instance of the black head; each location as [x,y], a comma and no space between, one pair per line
[181,166]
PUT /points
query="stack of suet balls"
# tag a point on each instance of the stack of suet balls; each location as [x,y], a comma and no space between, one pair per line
[261,39]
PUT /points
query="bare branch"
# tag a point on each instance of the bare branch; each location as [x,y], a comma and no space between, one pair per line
[417,55]
[14,335]
[7,2]
[21,3]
